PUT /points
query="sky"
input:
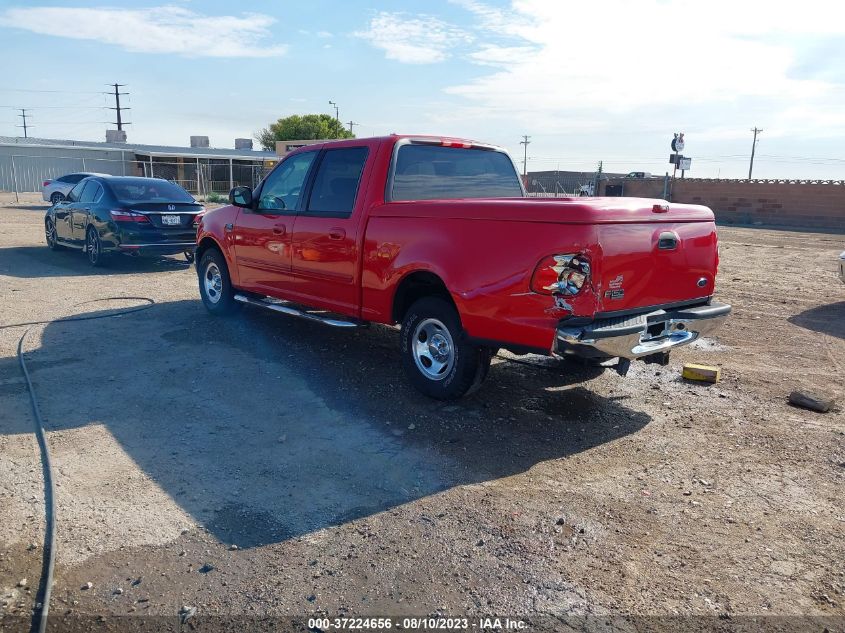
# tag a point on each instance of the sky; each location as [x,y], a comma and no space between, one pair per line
[586,82]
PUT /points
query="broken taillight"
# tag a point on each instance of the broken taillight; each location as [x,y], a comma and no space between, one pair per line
[561,274]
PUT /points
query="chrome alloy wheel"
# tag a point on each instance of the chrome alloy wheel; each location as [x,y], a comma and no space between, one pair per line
[93,247]
[213,282]
[50,233]
[434,350]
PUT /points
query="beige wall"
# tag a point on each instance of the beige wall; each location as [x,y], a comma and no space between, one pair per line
[285,147]
[798,204]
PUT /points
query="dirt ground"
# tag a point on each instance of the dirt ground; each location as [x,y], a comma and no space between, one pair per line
[264,467]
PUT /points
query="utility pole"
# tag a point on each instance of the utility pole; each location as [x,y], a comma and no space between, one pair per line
[350,124]
[117,94]
[336,114]
[597,178]
[753,147]
[25,127]
[526,143]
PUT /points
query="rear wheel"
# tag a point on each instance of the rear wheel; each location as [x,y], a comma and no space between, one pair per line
[57,197]
[51,236]
[94,248]
[216,290]
[436,356]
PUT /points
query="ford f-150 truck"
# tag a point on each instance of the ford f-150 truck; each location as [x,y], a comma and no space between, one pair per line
[436,234]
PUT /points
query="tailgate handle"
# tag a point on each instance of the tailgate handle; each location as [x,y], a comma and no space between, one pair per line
[667,241]
[337,234]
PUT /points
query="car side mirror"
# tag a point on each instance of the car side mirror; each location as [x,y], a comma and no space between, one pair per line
[241,197]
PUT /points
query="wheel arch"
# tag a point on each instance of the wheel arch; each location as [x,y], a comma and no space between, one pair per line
[206,243]
[416,285]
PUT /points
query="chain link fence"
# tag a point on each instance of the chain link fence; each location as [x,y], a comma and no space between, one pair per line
[20,173]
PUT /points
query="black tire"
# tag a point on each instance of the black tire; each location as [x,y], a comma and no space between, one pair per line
[56,197]
[448,367]
[190,256]
[50,236]
[94,248]
[217,295]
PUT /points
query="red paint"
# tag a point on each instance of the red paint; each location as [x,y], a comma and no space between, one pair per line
[485,252]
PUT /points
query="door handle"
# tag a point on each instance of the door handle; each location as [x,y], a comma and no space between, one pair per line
[279,229]
[336,234]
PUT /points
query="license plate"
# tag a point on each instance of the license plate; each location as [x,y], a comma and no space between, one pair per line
[171,220]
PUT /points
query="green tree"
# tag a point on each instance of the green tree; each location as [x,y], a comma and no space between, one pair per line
[301,127]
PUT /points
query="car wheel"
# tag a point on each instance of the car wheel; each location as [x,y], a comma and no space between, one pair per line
[56,197]
[436,356]
[94,248]
[51,236]
[216,290]
[189,256]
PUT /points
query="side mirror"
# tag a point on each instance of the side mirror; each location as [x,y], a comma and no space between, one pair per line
[241,197]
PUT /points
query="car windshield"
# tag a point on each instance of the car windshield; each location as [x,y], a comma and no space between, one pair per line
[149,190]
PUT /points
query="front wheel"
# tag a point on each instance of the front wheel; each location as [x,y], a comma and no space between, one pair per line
[436,356]
[51,236]
[216,290]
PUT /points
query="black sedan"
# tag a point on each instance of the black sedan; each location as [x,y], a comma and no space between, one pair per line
[114,214]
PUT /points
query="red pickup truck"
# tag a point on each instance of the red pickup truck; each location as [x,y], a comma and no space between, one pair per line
[436,234]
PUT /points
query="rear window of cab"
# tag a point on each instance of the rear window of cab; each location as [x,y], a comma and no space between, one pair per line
[434,172]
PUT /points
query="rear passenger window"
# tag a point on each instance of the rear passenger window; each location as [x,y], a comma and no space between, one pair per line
[73,194]
[91,192]
[336,182]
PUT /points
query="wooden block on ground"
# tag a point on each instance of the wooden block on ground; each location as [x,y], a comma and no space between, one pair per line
[813,401]
[702,373]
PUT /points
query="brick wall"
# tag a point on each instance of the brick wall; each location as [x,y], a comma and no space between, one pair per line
[794,204]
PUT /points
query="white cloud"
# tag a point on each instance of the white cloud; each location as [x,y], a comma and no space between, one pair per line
[421,39]
[165,29]
[652,60]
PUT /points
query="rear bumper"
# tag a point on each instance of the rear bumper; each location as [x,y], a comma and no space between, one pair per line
[158,248]
[641,335]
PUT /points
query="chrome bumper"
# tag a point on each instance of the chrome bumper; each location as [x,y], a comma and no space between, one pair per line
[642,334]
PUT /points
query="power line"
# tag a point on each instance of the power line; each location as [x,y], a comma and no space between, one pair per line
[753,147]
[526,143]
[76,92]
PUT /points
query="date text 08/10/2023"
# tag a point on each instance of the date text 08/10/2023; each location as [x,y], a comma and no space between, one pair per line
[416,624]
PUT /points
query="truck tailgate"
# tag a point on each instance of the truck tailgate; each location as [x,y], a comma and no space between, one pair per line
[654,263]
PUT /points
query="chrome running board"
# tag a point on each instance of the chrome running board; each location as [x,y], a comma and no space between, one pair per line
[286,308]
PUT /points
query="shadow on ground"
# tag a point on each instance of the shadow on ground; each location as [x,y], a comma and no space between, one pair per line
[39,261]
[263,427]
[828,319]
[27,206]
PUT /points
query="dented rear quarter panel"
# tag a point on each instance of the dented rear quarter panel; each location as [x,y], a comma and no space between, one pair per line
[486,264]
